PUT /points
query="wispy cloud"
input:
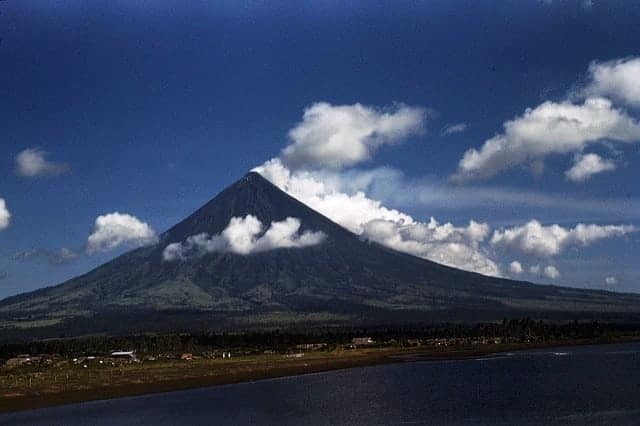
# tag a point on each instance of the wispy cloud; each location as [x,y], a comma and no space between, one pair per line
[53,257]
[394,188]
[454,128]
[32,162]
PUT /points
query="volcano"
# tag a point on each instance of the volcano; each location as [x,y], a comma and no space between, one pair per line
[339,280]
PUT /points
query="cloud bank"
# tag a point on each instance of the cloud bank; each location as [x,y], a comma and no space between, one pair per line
[336,136]
[333,195]
[5,216]
[446,244]
[587,165]
[115,229]
[241,236]
[536,239]
[32,163]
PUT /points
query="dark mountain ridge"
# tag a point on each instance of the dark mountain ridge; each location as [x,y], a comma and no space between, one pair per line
[343,280]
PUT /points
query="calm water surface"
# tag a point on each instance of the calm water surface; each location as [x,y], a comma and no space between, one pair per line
[591,385]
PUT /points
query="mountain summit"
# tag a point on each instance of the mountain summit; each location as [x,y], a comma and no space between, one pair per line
[256,257]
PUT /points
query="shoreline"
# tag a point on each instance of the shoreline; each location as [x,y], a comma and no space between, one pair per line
[204,374]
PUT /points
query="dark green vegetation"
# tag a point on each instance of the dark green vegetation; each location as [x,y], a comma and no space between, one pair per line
[514,331]
[342,281]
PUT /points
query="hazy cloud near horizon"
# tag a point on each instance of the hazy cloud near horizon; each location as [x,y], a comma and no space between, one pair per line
[54,257]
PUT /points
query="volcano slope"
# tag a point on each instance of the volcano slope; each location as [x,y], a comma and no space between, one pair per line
[340,281]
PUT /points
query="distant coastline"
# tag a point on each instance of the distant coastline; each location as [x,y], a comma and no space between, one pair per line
[166,376]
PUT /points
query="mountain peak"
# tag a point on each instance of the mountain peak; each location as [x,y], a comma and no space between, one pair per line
[340,280]
[250,195]
[253,175]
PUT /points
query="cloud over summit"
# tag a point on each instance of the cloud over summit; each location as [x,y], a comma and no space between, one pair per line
[339,197]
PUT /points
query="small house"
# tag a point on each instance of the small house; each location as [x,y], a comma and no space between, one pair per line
[362,341]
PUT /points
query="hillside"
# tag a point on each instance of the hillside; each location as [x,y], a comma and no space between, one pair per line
[341,280]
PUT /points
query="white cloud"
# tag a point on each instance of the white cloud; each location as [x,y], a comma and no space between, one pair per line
[391,186]
[241,237]
[115,229]
[336,136]
[618,79]
[454,128]
[587,165]
[536,239]
[446,244]
[338,197]
[551,272]
[63,255]
[32,163]
[515,267]
[550,128]
[611,280]
[54,257]
[326,193]
[344,196]
[5,216]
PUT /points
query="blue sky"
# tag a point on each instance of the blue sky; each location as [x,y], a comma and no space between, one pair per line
[150,108]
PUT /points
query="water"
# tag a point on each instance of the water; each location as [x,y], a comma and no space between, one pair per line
[591,385]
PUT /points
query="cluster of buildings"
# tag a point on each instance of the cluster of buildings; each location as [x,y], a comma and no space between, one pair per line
[24,360]
[120,357]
